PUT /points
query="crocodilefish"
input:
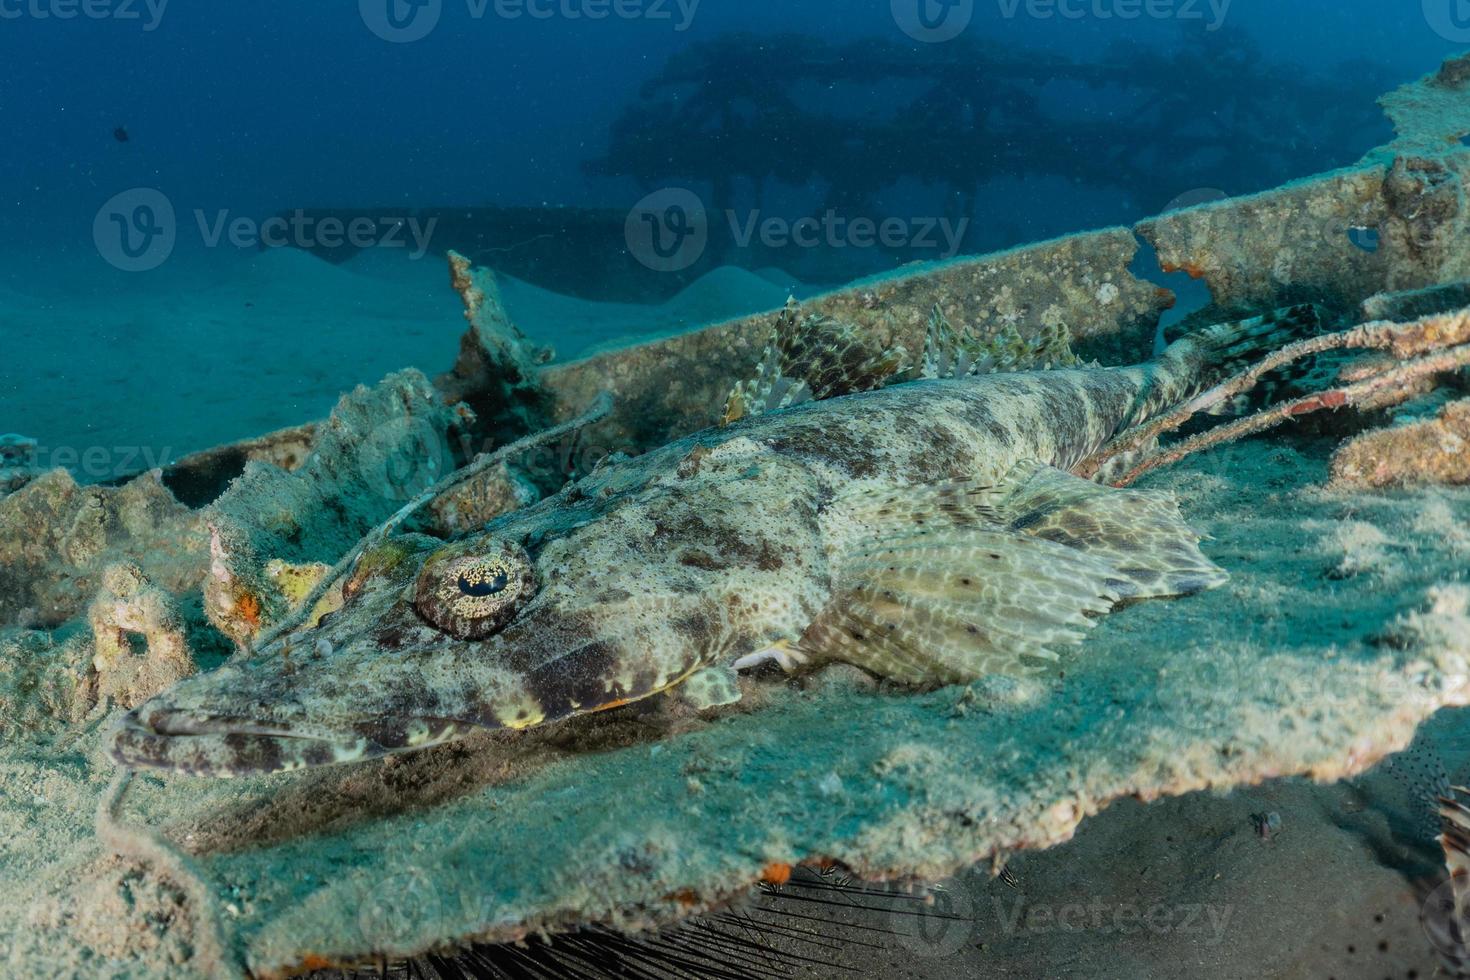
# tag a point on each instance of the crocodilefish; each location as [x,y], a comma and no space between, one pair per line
[917,521]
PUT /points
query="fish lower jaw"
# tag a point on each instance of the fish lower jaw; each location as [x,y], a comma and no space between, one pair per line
[222,748]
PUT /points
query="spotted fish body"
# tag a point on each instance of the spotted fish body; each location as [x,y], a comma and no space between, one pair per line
[927,531]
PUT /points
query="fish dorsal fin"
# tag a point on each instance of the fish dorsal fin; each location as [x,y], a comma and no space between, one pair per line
[810,357]
[944,584]
[951,352]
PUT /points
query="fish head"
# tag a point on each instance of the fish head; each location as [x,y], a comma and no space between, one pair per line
[609,592]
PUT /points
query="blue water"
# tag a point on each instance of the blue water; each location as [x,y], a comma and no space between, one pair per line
[275,104]
[229,114]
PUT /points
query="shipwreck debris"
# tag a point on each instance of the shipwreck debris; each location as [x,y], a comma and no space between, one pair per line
[1434,451]
[57,537]
[498,372]
[129,606]
[17,462]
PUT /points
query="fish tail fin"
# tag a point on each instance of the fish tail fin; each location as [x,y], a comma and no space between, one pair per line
[1205,357]
[1228,348]
[1447,912]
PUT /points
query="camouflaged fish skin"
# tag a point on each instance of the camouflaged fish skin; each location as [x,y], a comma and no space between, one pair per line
[652,569]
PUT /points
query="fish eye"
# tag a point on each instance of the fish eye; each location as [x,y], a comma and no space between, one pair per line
[472,591]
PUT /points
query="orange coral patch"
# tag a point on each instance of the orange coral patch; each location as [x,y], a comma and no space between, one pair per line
[1195,271]
[776,873]
[248,608]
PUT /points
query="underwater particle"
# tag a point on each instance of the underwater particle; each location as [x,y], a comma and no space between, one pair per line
[830,785]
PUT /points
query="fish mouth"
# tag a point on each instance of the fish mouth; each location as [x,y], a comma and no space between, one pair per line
[223,746]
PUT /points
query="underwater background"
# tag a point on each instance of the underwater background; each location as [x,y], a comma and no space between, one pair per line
[1010,122]
[218,219]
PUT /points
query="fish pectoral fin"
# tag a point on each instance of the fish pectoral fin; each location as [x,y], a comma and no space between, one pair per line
[712,687]
[1140,532]
[952,606]
[945,584]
